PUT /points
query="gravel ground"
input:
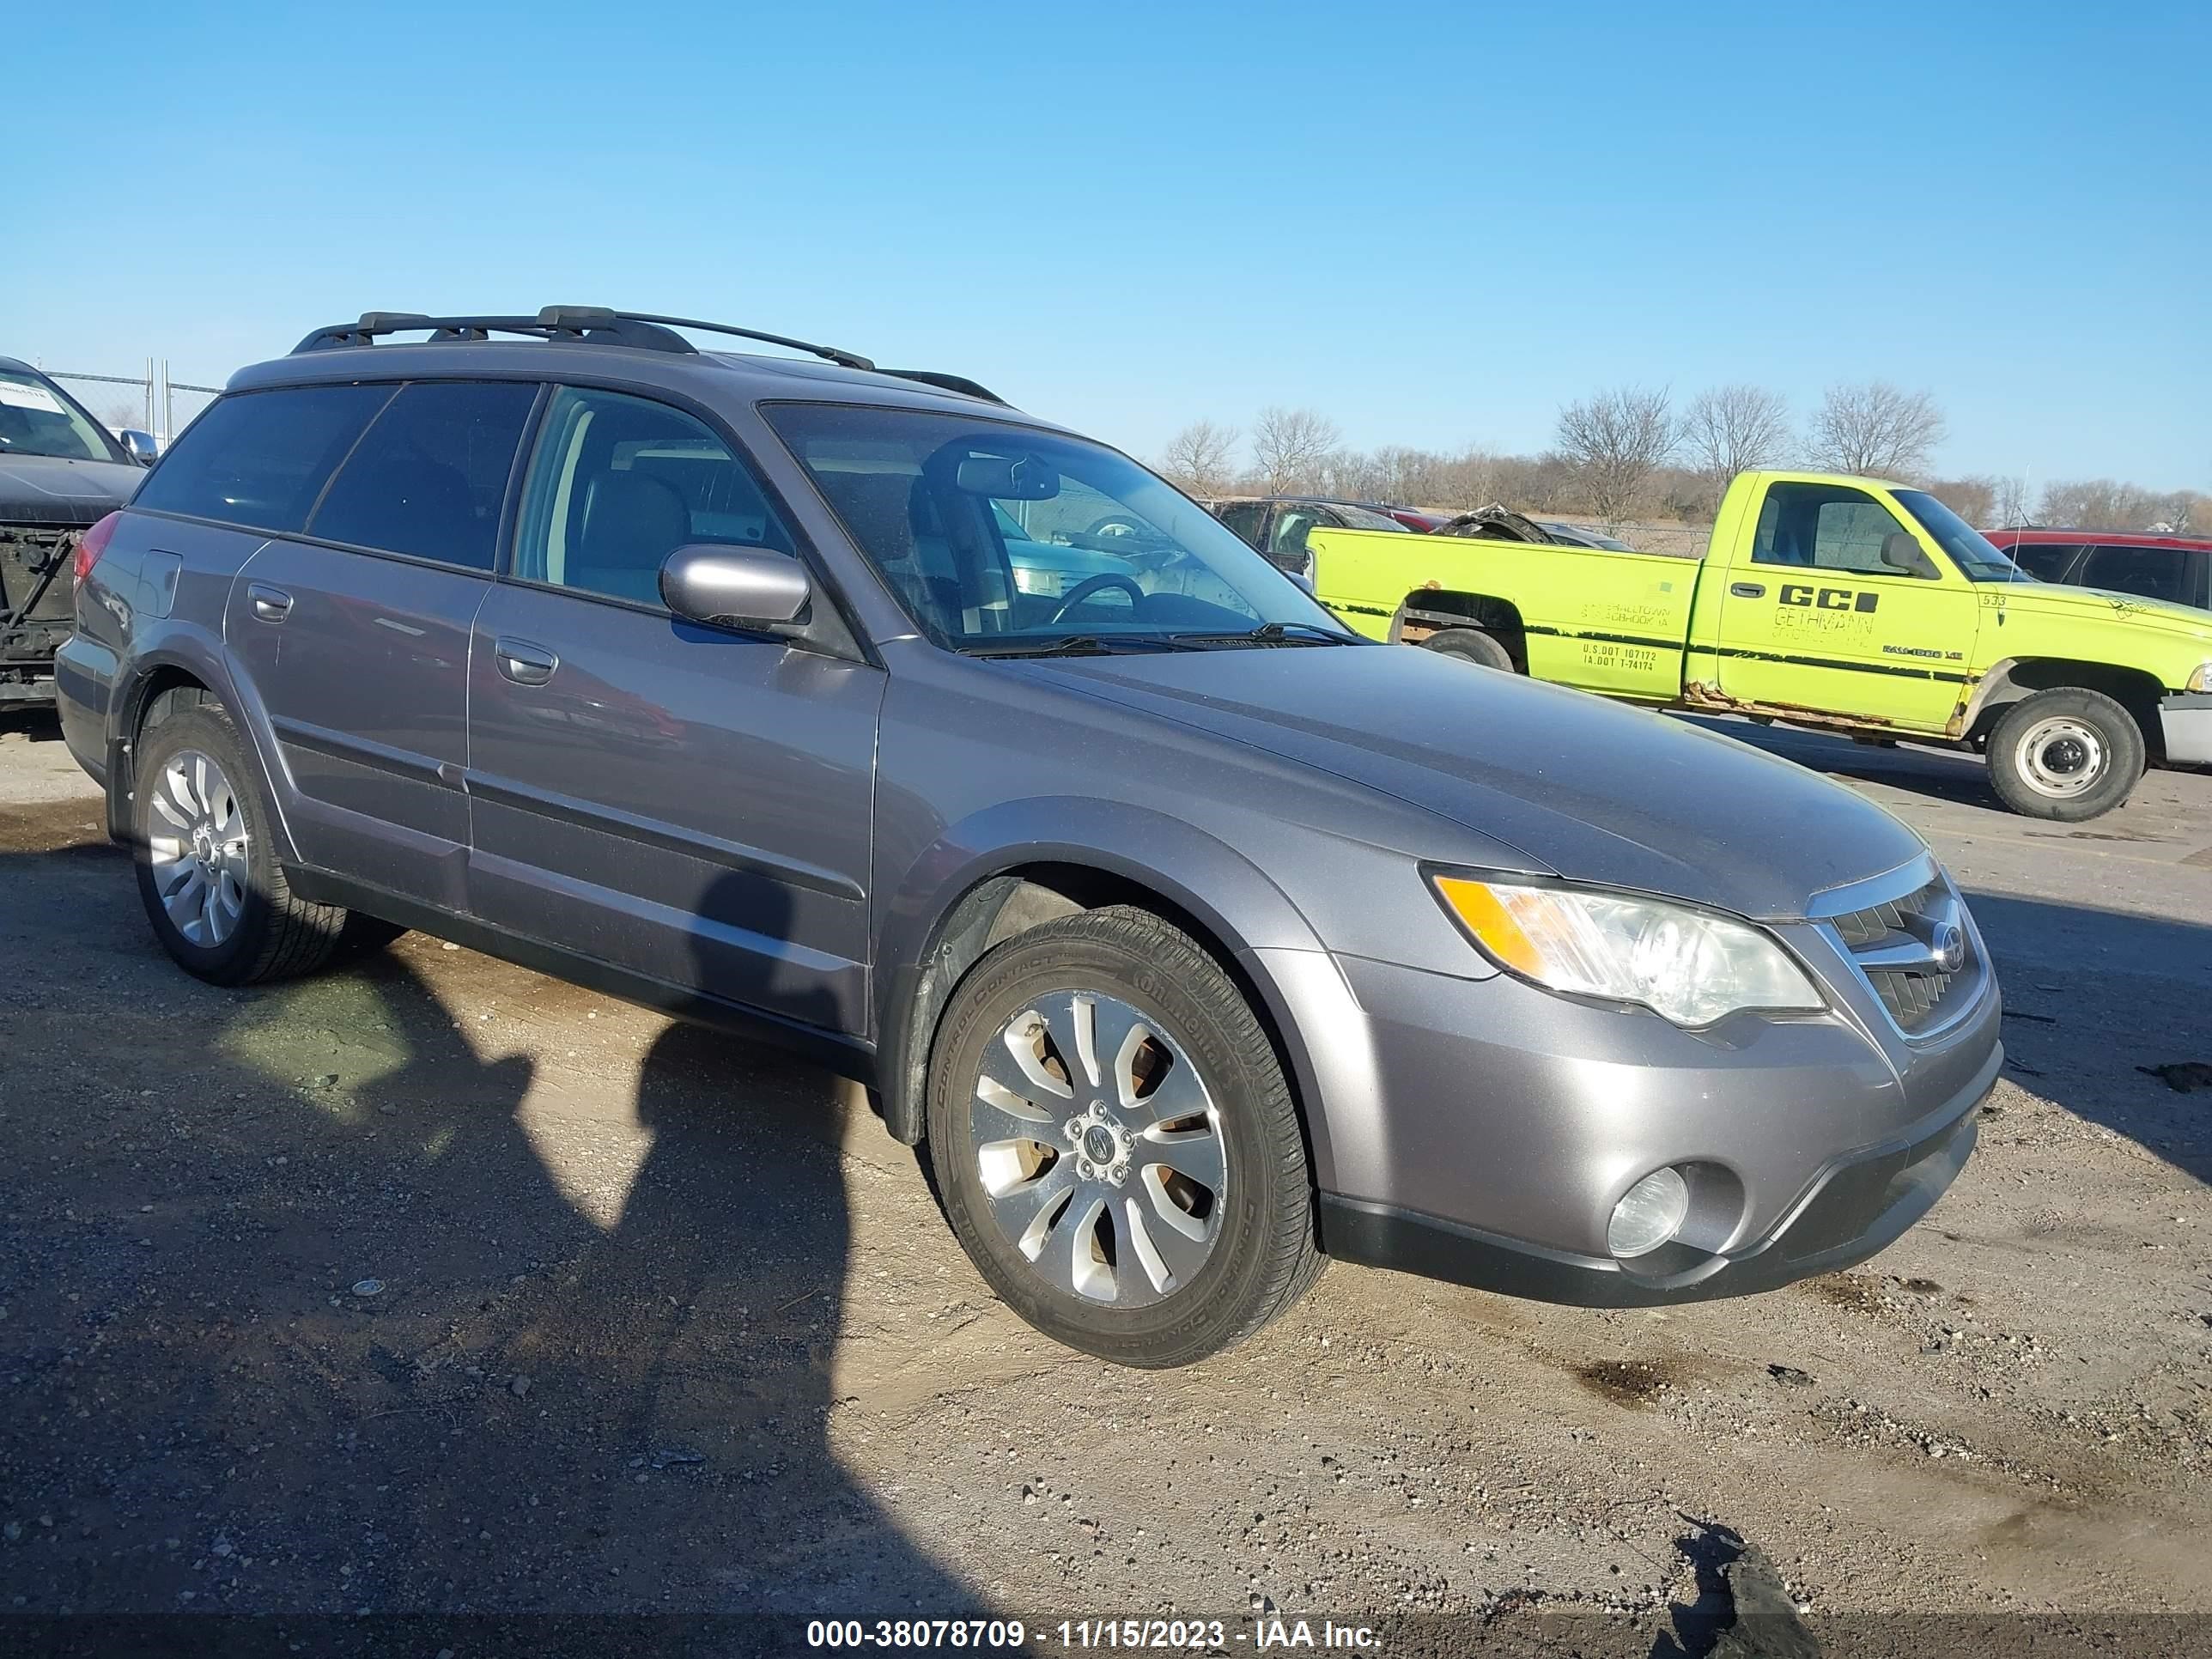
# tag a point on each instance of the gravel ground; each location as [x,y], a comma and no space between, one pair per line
[434,1285]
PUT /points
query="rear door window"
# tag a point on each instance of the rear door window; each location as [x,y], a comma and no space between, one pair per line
[2049,561]
[258,459]
[2156,573]
[1246,518]
[430,476]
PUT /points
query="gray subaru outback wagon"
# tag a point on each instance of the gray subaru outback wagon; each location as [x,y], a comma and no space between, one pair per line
[1199,940]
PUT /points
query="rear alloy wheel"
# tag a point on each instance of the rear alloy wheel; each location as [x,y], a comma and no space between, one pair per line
[216,897]
[1471,645]
[2067,754]
[1116,1144]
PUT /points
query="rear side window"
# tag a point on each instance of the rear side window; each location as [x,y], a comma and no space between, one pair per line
[430,476]
[258,459]
[2047,559]
[2156,573]
[617,483]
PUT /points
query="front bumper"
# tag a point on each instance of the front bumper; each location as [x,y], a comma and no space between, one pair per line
[2186,720]
[1481,1130]
[1858,1205]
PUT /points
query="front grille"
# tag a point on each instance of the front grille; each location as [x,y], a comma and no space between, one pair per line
[1911,998]
[1893,942]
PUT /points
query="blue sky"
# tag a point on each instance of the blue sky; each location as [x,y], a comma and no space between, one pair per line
[1434,222]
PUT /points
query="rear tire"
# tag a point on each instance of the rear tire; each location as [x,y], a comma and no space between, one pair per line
[2069,754]
[216,897]
[1115,1144]
[1471,645]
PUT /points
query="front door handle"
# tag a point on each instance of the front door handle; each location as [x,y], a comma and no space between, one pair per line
[271,604]
[1748,590]
[523,663]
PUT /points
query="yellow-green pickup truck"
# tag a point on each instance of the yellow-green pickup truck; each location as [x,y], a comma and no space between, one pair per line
[1851,605]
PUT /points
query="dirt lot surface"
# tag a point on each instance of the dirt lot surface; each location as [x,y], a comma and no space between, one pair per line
[432,1285]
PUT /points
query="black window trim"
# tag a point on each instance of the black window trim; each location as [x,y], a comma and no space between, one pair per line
[845,639]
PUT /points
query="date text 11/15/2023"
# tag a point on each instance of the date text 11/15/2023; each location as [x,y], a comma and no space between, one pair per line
[1084,1635]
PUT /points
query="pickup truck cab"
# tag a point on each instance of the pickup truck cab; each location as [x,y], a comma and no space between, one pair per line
[1852,604]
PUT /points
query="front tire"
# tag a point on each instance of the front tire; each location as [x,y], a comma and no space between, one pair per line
[1116,1144]
[207,873]
[2067,754]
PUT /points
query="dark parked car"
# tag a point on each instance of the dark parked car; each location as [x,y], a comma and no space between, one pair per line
[1277,525]
[1199,938]
[59,473]
[2175,569]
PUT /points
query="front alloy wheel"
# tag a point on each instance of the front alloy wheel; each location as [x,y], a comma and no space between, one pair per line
[1115,1142]
[1100,1148]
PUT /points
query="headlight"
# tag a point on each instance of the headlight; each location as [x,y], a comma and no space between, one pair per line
[1045,583]
[2200,678]
[1684,966]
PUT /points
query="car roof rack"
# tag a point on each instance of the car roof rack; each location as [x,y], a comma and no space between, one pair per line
[597,325]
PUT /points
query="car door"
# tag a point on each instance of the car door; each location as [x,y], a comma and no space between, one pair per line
[1842,605]
[691,805]
[354,630]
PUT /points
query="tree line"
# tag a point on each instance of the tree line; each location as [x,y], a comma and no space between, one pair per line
[1629,453]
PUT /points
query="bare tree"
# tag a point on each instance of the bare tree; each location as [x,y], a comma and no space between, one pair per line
[2010,506]
[1289,445]
[1613,441]
[1973,499]
[1876,428]
[1735,428]
[1202,457]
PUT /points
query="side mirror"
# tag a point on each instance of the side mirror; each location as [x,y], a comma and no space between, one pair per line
[735,587]
[140,445]
[1900,551]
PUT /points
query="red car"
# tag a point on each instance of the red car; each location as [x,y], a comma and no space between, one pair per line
[2175,569]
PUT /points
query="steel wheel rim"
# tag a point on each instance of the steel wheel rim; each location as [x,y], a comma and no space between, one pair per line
[196,841]
[1099,1149]
[2061,756]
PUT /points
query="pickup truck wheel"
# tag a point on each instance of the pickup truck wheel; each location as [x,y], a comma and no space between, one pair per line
[2067,754]
[1471,645]
[1116,1144]
[212,888]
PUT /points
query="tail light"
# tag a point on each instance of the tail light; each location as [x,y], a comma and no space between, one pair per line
[91,545]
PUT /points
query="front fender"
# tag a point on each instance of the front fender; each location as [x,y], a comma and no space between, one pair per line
[1250,919]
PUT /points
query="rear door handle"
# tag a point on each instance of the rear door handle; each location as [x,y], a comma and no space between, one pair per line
[271,604]
[1748,590]
[523,663]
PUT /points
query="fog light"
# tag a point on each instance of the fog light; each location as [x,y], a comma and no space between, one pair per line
[1648,1214]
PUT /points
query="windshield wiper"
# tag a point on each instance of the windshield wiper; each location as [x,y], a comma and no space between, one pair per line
[1077,645]
[1276,633]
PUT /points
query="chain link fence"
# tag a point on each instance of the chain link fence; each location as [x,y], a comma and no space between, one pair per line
[151,402]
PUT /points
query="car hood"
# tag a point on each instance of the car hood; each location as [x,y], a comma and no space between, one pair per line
[2060,599]
[50,489]
[1584,788]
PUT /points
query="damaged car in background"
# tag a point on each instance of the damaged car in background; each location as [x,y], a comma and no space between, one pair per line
[60,473]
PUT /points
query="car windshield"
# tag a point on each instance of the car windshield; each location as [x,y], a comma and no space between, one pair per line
[1000,539]
[36,420]
[1977,558]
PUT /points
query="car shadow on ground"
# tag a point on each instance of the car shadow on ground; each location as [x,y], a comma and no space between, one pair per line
[303,1316]
[2105,1015]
